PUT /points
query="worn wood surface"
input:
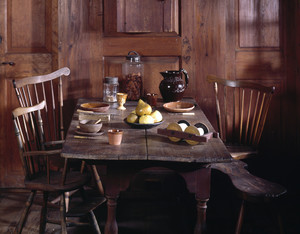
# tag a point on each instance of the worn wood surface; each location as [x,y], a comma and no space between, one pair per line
[140,144]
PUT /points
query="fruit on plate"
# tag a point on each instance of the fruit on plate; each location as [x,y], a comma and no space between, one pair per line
[132,118]
[143,108]
[157,116]
[143,114]
[146,119]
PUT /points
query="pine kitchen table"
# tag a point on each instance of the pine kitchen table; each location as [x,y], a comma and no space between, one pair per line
[145,148]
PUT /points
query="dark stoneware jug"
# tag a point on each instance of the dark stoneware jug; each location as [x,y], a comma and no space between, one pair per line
[173,86]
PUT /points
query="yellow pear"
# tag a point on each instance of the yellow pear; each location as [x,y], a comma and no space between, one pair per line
[132,118]
[143,108]
[146,119]
[157,116]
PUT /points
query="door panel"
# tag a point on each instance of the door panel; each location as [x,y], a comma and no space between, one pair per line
[28,20]
[259,23]
[26,32]
[259,65]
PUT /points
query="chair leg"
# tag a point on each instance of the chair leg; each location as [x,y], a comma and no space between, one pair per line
[63,214]
[94,222]
[275,212]
[24,215]
[43,218]
[67,200]
[240,218]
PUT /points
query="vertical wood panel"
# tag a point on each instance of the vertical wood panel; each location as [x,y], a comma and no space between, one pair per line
[210,51]
[80,48]
[259,23]
[188,45]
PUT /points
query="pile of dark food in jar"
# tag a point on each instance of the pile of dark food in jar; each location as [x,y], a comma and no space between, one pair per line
[133,86]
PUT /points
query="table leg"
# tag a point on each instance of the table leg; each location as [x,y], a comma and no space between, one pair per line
[111,226]
[198,182]
[202,197]
[200,226]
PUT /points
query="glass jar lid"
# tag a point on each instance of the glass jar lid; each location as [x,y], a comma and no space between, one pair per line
[111,80]
[133,56]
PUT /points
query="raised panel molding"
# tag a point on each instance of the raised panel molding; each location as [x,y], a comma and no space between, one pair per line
[259,23]
[136,16]
[141,17]
[30,29]
[118,46]
[259,65]
[28,65]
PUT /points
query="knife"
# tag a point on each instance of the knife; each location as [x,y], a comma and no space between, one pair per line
[88,137]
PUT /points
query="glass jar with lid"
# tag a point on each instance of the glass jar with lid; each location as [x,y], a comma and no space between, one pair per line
[110,89]
[133,71]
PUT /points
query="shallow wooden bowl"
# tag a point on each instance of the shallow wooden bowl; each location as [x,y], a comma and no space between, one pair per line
[95,106]
[179,106]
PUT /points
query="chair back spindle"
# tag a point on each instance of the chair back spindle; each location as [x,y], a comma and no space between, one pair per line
[28,127]
[242,109]
[32,90]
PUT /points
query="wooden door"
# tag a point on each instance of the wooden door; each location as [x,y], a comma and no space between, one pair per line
[256,52]
[26,28]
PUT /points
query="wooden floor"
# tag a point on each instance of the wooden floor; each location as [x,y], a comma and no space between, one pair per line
[145,212]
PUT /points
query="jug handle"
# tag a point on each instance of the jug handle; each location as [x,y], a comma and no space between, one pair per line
[186,76]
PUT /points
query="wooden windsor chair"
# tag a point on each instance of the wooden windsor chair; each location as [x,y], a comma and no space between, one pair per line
[49,87]
[39,173]
[32,90]
[242,109]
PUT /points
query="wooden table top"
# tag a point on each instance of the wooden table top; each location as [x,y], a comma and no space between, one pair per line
[144,145]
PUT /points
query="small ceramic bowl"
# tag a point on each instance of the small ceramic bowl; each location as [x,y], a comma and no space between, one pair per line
[89,126]
[115,136]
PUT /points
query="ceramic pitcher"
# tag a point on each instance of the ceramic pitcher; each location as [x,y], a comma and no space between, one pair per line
[172,87]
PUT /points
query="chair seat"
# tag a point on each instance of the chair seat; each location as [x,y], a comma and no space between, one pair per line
[80,208]
[241,151]
[74,180]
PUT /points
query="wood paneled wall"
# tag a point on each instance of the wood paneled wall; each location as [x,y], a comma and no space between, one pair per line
[236,39]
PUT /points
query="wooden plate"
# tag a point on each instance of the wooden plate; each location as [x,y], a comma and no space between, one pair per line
[179,106]
[95,106]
